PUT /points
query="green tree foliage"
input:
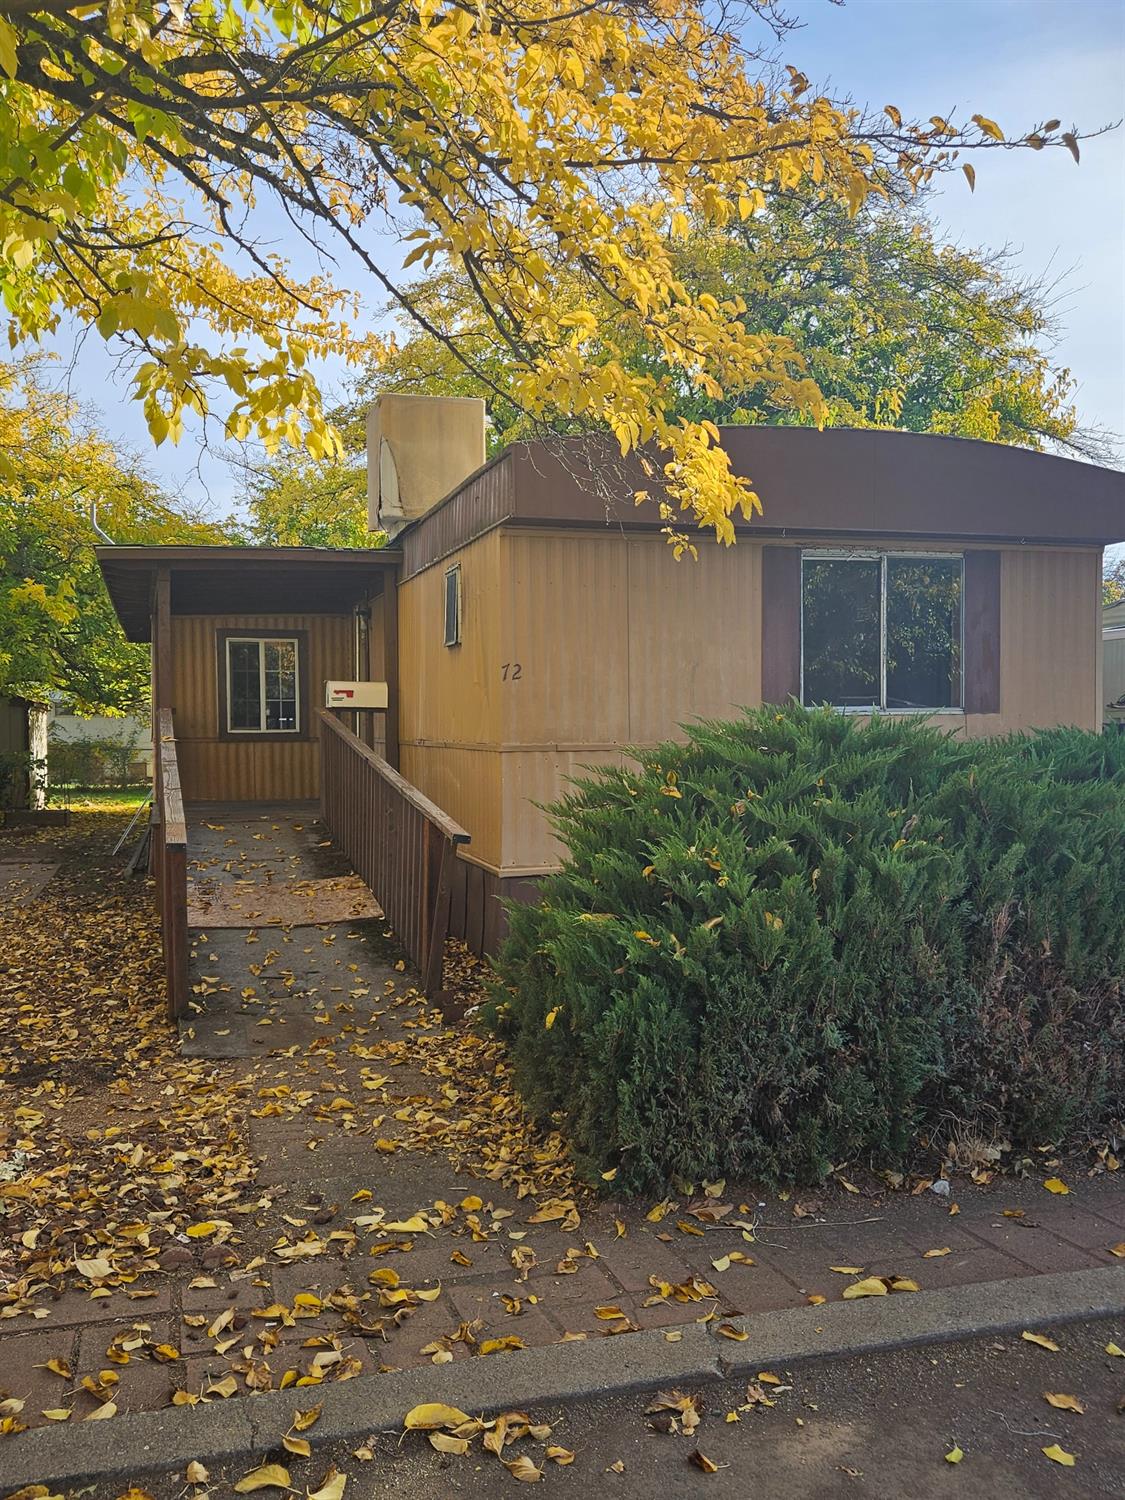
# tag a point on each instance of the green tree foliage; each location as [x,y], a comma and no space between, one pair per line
[1113,582]
[303,503]
[796,940]
[533,146]
[58,629]
[897,328]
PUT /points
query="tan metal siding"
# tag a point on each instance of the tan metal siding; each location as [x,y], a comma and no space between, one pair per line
[213,769]
[695,638]
[567,629]
[540,776]
[466,785]
[1049,638]
[450,694]
[450,718]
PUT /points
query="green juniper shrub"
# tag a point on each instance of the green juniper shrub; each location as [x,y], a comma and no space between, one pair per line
[799,938]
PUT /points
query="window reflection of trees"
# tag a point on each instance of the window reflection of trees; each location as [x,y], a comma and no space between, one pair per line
[851,644]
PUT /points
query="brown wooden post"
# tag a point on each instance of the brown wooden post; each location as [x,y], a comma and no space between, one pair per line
[439,924]
[161,698]
[176,930]
[390,666]
[162,644]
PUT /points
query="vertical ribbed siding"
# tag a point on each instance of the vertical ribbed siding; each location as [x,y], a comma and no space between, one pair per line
[1050,638]
[214,769]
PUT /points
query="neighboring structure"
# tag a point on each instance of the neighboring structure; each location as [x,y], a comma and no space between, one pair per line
[125,743]
[531,621]
[1113,661]
[23,754]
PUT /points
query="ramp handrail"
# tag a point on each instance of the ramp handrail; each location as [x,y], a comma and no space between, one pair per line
[397,841]
[169,865]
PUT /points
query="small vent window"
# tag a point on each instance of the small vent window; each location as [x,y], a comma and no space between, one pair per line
[453,606]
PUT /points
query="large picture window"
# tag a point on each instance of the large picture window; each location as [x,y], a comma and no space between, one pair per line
[881,630]
[263,684]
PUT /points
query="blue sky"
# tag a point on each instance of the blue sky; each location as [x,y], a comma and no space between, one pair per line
[1017,61]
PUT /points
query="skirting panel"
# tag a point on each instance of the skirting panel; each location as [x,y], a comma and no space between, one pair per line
[477,914]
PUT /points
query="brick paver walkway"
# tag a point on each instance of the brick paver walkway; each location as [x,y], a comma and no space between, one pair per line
[353,1251]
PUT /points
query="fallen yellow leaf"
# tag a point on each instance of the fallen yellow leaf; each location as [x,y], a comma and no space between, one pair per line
[523,1468]
[954,1456]
[701,1461]
[870,1286]
[934,1254]
[261,1479]
[1055,1185]
[433,1414]
[1064,1403]
[1112,1348]
[332,1488]
[1059,1455]
[1041,1339]
[445,1442]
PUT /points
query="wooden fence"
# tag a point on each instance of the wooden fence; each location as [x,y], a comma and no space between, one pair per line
[169,864]
[400,844]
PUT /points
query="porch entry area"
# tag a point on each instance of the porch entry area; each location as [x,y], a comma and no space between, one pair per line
[373,851]
[243,644]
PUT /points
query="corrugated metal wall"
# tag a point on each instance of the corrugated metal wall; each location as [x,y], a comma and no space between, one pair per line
[1050,629]
[577,645]
[618,644]
[449,715]
[214,769]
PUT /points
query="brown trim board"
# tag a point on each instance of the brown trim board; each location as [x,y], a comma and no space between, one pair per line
[781,624]
[981,648]
[476,909]
[842,482]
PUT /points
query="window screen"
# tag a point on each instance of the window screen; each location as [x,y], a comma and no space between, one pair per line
[262,686]
[453,606]
[881,631]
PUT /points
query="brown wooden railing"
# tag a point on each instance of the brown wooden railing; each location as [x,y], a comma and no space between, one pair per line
[169,864]
[397,841]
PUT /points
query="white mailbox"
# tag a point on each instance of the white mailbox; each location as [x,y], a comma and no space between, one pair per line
[355,695]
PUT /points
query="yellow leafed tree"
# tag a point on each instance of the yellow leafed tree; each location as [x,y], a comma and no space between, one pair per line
[530,142]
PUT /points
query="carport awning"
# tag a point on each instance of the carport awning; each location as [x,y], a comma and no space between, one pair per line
[242,580]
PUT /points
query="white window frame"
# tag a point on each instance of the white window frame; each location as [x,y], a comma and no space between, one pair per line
[261,641]
[882,556]
[455,573]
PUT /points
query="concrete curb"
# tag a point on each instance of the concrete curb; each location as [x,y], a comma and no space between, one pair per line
[173,1436]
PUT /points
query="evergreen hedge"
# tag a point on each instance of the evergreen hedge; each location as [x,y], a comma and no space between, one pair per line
[799,939]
